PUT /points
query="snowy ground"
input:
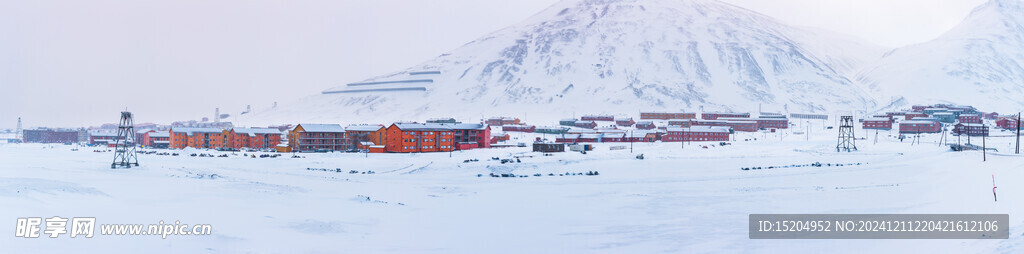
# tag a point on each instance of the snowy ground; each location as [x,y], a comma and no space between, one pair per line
[677,200]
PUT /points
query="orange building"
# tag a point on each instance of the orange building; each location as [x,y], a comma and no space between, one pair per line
[364,136]
[418,138]
[198,137]
[318,137]
[255,138]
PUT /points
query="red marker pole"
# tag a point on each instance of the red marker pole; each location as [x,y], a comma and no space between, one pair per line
[994,189]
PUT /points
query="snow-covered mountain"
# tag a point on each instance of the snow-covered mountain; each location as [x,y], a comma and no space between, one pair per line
[616,57]
[979,62]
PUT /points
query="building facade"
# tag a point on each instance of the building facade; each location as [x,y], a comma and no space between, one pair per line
[198,138]
[914,126]
[877,123]
[419,138]
[716,115]
[318,137]
[697,133]
[666,115]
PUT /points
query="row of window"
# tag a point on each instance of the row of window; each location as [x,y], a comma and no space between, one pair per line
[428,133]
[423,147]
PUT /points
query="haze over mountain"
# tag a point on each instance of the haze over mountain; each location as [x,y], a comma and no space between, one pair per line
[612,56]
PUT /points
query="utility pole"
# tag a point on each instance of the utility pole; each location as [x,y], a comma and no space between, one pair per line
[984,149]
[1018,134]
[631,141]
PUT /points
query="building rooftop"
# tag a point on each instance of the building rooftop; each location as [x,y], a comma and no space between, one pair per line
[190,131]
[918,122]
[701,129]
[422,127]
[256,131]
[310,127]
[364,127]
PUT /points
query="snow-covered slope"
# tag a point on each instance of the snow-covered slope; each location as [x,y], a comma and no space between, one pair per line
[612,56]
[980,62]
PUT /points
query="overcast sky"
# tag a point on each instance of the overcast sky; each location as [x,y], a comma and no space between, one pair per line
[78,63]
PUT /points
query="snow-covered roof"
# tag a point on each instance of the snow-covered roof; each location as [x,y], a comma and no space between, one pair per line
[585,121]
[623,118]
[753,118]
[724,113]
[366,143]
[572,136]
[190,131]
[591,135]
[644,122]
[469,126]
[877,119]
[943,113]
[613,135]
[311,127]
[918,122]
[256,131]
[701,128]
[160,134]
[102,133]
[638,134]
[971,124]
[364,127]
[422,127]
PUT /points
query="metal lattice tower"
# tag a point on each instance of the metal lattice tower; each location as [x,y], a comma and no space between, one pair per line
[124,143]
[846,138]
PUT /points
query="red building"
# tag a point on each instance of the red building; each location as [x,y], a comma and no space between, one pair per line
[1007,123]
[990,116]
[642,136]
[697,133]
[895,113]
[971,129]
[624,121]
[519,128]
[198,137]
[470,136]
[666,116]
[500,121]
[568,138]
[911,116]
[716,115]
[102,138]
[740,125]
[877,123]
[419,138]
[969,118]
[682,123]
[318,137]
[919,108]
[156,139]
[645,125]
[495,137]
[920,127]
[765,122]
[586,124]
[254,138]
[598,118]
